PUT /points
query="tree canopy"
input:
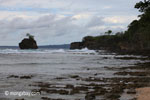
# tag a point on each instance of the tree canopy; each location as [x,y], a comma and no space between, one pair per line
[136,37]
[108,32]
[30,36]
[143,6]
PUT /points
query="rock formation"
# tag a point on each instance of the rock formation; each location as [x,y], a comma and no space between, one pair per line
[76,45]
[28,43]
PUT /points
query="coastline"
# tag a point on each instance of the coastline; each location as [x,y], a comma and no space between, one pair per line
[80,76]
[136,84]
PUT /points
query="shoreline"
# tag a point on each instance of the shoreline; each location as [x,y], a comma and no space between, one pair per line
[91,82]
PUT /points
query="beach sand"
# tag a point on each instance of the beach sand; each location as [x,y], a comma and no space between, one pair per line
[143,93]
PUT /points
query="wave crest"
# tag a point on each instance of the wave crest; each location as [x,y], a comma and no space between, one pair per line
[11,51]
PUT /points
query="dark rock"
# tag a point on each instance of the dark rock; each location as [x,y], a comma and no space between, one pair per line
[13,76]
[26,77]
[28,44]
[74,91]
[131,91]
[76,45]
[95,74]
[42,84]
[46,98]
[74,76]
[20,99]
[90,96]
[112,96]
[21,77]
[88,68]
[60,78]
[69,86]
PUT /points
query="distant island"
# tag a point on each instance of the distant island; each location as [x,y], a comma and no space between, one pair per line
[60,46]
[135,39]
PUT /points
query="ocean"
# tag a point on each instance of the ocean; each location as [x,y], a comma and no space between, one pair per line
[54,72]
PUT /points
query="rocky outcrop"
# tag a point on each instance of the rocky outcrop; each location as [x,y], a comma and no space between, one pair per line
[28,44]
[135,40]
[76,45]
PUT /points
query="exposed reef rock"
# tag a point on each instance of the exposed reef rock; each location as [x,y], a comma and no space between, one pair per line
[28,44]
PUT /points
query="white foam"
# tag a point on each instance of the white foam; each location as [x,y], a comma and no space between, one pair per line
[84,50]
[11,51]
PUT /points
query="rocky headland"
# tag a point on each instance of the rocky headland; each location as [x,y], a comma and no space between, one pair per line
[136,39]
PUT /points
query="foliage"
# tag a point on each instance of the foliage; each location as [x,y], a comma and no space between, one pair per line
[88,38]
[143,6]
[137,36]
[30,36]
[108,32]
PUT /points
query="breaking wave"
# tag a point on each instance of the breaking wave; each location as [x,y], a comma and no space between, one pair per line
[11,51]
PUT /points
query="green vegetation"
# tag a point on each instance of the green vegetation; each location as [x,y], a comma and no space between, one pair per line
[138,33]
[136,38]
[30,36]
[108,32]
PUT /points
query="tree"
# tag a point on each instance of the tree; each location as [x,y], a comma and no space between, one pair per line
[143,6]
[30,36]
[108,32]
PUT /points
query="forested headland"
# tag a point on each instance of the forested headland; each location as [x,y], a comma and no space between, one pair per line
[135,39]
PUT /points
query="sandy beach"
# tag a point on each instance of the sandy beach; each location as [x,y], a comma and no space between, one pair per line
[143,93]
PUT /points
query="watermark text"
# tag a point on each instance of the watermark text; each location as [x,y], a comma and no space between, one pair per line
[21,93]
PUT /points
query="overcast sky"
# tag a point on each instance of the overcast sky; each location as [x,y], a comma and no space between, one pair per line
[62,21]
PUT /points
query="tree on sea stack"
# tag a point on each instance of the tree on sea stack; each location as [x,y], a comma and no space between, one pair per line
[30,36]
[28,43]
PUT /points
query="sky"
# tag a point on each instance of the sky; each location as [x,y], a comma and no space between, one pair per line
[62,21]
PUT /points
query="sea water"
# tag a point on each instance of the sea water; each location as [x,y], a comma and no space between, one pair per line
[48,64]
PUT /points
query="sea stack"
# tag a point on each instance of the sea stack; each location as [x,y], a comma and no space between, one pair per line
[28,43]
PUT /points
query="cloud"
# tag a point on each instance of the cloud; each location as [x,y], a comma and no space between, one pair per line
[62,21]
[51,27]
[120,19]
[70,6]
[96,21]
